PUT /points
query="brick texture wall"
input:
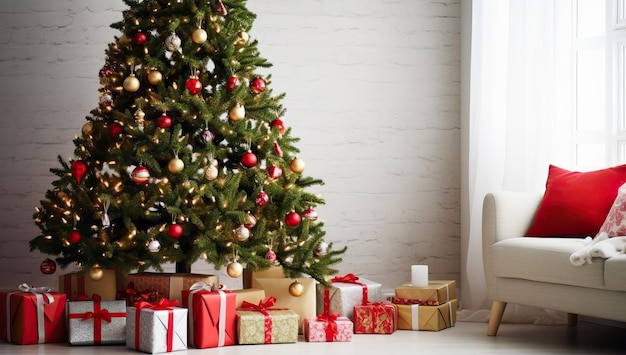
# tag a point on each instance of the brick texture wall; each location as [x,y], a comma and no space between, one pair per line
[372,91]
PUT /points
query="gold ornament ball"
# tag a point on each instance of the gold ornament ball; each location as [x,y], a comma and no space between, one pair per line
[237,113]
[96,273]
[234,269]
[296,289]
[176,165]
[87,128]
[242,38]
[199,36]
[131,83]
[154,77]
[297,165]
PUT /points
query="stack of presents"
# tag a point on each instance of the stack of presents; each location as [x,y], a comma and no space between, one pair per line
[157,313]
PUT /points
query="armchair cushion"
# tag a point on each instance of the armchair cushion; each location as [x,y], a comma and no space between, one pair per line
[576,204]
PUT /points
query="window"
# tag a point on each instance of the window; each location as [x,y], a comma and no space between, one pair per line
[598,65]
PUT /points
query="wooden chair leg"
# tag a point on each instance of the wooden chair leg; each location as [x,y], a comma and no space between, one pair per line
[497,311]
[572,319]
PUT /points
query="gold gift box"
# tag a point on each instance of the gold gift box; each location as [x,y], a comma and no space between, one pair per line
[436,293]
[304,305]
[249,276]
[251,327]
[434,318]
[251,295]
[168,285]
[76,284]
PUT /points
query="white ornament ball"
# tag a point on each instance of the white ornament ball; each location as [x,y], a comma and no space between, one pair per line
[321,249]
[154,246]
[172,42]
[242,233]
[211,172]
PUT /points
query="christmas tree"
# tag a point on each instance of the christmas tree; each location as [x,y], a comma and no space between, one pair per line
[186,157]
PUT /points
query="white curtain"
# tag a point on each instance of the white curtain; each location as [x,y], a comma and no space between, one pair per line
[513,97]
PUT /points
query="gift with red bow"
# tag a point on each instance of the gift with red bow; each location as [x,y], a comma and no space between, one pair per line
[211,315]
[375,318]
[262,323]
[76,284]
[168,285]
[158,327]
[95,322]
[328,326]
[348,291]
[32,315]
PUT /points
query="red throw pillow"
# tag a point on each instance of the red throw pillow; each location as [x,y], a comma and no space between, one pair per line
[576,204]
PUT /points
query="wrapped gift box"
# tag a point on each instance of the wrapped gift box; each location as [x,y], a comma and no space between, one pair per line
[249,276]
[211,316]
[304,305]
[168,285]
[156,328]
[131,296]
[375,318]
[436,293]
[75,285]
[250,295]
[434,318]
[264,324]
[32,316]
[343,296]
[322,329]
[96,322]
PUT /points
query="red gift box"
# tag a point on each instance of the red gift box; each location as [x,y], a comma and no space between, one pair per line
[212,315]
[32,315]
[375,318]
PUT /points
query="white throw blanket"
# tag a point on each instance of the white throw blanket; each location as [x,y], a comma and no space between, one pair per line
[599,247]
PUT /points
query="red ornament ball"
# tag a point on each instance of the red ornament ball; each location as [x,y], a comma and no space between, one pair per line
[251,221]
[271,257]
[115,129]
[257,85]
[175,230]
[262,198]
[310,214]
[140,175]
[232,83]
[106,72]
[193,85]
[293,219]
[249,159]
[48,266]
[140,38]
[79,170]
[278,123]
[164,121]
[74,237]
[274,172]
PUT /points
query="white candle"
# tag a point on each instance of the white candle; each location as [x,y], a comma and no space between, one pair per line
[419,275]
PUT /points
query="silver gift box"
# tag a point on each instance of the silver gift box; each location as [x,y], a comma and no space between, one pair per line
[153,329]
[344,296]
[81,326]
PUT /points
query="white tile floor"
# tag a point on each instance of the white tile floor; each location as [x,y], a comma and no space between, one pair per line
[464,338]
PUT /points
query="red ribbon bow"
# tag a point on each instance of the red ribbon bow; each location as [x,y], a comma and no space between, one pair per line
[331,324]
[263,306]
[163,305]
[348,278]
[352,279]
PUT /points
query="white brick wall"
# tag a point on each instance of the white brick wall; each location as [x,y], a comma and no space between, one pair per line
[372,91]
